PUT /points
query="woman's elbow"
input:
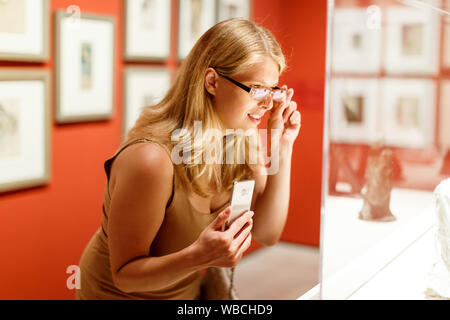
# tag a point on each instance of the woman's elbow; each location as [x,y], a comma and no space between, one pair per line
[120,283]
[266,240]
[271,241]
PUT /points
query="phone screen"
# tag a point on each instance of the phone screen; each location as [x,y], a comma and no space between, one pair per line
[241,199]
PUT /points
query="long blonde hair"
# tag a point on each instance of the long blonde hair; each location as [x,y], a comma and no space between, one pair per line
[229,46]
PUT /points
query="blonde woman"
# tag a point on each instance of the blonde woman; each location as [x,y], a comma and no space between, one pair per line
[163,221]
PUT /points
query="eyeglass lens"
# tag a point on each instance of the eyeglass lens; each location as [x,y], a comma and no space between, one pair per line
[261,94]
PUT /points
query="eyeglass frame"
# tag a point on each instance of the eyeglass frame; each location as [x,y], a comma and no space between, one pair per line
[247,88]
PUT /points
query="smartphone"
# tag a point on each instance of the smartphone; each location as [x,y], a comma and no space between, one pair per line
[241,199]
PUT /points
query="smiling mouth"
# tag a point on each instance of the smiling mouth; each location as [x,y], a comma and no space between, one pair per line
[255,116]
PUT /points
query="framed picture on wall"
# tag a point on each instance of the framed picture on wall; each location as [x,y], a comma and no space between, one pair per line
[195,17]
[353,107]
[147,30]
[408,114]
[356,48]
[227,9]
[144,86]
[24,129]
[444,115]
[24,30]
[84,69]
[412,41]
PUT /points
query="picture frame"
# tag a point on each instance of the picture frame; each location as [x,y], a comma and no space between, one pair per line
[24,129]
[24,30]
[142,86]
[227,9]
[408,112]
[353,110]
[356,48]
[147,30]
[84,67]
[412,41]
[195,17]
[444,115]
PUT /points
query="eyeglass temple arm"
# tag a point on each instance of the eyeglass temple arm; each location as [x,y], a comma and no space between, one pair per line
[240,85]
[243,86]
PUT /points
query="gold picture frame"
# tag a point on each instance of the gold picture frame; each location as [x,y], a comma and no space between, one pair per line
[84,67]
[20,88]
[24,36]
[194,18]
[146,85]
[146,30]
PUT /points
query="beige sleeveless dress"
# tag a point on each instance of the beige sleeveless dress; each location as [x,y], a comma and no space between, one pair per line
[181,226]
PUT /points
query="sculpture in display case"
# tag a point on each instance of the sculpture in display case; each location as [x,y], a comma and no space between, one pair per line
[377,191]
[387,128]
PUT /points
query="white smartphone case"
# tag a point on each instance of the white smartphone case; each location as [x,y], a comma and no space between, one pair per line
[241,199]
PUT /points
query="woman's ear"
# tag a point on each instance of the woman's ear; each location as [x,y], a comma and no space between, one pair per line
[211,81]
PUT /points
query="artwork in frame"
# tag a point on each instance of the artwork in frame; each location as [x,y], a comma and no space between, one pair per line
[24,129]
[412,41]
[147,30]
[227,9]
[144,86]
[356,48]
[444,115]
[408,112]
[195,17]
[84,72]
[353,107]
[24,30]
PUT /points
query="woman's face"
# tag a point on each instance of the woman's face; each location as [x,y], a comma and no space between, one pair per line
[235,107]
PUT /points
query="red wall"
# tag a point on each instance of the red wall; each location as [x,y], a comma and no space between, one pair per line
[43,230]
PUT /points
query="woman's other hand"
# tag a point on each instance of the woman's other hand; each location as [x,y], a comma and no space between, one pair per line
[285,117]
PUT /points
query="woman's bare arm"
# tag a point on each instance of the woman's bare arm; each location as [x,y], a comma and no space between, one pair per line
[273,190]
[143,185]
[271,202]
[142,188]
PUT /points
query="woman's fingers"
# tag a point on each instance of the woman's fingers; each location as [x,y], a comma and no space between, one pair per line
[237,224]
[245,245]
[221,219]
[280,106]
[241,236]
[289,111]
[295,118]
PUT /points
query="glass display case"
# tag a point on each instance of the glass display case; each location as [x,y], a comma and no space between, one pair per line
[387,135]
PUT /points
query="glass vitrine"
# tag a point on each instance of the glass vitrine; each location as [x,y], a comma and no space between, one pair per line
[387,134]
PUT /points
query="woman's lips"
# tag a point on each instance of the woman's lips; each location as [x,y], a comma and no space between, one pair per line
[255,118]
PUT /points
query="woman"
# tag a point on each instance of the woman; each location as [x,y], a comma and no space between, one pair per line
[163,222]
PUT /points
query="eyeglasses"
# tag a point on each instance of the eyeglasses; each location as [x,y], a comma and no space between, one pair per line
[259,93]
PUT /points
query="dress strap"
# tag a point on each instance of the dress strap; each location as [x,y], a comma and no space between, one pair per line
[108,163]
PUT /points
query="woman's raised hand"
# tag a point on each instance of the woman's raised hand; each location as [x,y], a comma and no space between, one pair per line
[224,248]
[285,117]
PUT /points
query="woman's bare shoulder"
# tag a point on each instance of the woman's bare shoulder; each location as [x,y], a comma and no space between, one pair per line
[142,161]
